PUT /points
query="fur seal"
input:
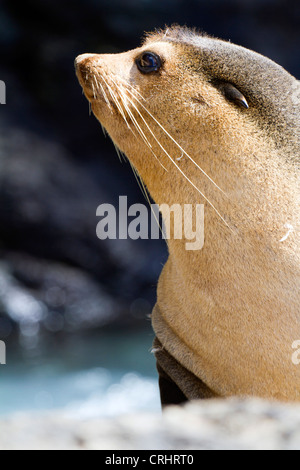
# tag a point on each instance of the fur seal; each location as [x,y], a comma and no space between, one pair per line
[226,316]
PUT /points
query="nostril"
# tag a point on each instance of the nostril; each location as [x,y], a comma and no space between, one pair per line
[80,65]
[84,71]
[83,59]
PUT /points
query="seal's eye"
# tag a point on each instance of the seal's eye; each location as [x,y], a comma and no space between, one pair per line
[148,62]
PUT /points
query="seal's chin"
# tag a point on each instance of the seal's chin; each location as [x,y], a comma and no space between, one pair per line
[88,92]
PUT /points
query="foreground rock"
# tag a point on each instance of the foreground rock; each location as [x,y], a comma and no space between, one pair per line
[214,425]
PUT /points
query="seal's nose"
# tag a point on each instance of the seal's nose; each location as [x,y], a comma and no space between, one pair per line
[82,62]
[83,66]
[82,58]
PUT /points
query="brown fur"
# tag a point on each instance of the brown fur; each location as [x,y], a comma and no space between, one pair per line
[230,312]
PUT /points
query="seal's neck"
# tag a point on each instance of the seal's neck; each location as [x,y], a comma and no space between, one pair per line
[232,302]
[245,224]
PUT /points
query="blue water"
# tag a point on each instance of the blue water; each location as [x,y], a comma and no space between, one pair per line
[108,375]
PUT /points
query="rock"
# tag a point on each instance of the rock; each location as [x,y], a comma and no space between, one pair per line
[52,259]
[59,299]
[233,424]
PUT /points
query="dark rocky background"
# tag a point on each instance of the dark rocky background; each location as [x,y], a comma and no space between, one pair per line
[56,277]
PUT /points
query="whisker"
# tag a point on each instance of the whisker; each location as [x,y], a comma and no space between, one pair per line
[119,153]
[119,107]
[137,125]
[139,129]
[103,93]
[115,100]
[132,88]
[183,174]
[141,116]
[146,195]
[104,130]
[123,97]
[127,110]
[178,145]
[139,181]
[94,92]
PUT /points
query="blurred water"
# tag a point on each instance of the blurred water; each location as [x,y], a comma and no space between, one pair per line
[106,375]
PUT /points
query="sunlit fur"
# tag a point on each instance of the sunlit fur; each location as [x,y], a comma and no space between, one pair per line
[230,312]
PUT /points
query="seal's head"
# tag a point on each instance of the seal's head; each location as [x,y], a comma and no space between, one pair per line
[184,94]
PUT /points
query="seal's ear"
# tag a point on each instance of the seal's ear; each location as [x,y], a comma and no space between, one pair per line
[234,95]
